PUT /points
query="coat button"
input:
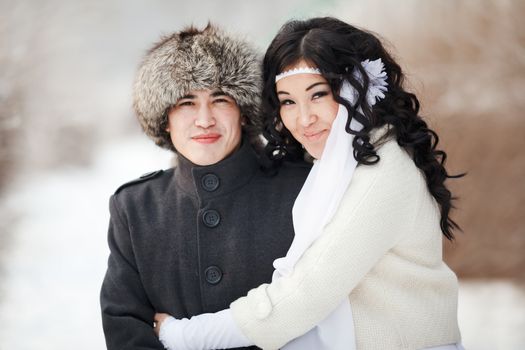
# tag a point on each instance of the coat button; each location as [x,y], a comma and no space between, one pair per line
[213,275]
[210,182]
[211,218]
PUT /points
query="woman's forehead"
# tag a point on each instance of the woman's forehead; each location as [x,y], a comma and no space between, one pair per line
[300,82]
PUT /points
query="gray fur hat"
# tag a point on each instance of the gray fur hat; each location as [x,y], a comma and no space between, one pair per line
[195,59]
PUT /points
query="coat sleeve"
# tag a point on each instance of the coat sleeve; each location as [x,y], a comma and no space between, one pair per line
[127,314]
[377,209]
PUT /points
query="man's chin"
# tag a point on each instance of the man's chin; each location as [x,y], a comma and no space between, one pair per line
[207,159]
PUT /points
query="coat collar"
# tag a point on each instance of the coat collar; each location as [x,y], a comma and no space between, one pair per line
[220,178]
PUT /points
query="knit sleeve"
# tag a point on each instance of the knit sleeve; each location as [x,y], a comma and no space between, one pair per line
[378,208]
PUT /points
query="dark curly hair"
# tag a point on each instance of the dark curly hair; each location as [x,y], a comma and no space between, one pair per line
[337,48]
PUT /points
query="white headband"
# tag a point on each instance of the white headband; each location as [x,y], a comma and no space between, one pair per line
[374,69]
[301,70]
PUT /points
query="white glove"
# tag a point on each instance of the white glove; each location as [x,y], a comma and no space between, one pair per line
[202,332]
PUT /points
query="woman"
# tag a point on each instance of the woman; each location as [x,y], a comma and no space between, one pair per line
[365,269]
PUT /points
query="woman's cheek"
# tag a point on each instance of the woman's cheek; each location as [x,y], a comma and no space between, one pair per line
[288,122]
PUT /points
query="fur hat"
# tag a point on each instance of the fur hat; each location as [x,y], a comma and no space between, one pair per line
[195,59]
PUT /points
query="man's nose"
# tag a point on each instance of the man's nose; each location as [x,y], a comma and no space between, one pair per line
[205,117]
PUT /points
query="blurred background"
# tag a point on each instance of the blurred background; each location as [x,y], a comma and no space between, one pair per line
[68,138]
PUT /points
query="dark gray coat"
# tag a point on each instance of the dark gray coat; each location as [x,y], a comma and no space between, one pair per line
[191,240]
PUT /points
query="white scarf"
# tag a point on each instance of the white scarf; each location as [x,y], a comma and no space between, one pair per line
[316,204]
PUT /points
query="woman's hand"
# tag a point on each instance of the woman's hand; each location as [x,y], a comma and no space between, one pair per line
[158,319]
[206,331]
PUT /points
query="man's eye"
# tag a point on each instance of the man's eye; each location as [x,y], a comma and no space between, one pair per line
[286,102]
[185,103]
[221,100]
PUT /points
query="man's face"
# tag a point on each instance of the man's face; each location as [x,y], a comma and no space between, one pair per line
[205,126]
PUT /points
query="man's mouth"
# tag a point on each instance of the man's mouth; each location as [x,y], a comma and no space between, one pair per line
[206,138]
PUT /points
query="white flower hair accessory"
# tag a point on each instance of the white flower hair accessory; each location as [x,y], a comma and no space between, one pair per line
[377,76]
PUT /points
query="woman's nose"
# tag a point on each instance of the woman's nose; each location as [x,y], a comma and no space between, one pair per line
[306,117]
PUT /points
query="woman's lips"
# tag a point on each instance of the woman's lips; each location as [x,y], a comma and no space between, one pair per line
[314,136]
[206,138]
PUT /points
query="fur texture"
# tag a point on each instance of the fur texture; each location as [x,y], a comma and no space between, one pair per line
[191,60]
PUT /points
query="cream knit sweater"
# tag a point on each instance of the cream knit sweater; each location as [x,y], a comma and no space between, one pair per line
[384,247]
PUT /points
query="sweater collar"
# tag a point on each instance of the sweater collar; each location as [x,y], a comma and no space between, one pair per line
[219,178]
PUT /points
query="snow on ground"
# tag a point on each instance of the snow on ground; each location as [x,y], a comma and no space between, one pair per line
[57,258]
[58,253]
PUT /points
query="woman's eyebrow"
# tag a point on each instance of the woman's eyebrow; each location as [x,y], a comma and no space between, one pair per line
[315,84]
[308,88]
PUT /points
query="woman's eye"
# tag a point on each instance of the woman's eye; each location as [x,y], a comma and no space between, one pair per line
[320,94]
[286,102]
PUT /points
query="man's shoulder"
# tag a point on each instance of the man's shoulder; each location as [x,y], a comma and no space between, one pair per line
[296,168]
[149,179]
[287,174]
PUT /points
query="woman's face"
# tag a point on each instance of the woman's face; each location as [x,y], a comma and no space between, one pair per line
[308,108]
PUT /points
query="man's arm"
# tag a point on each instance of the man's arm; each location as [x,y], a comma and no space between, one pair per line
[127,314]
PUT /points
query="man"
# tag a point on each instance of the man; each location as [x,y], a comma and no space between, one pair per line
[192,239]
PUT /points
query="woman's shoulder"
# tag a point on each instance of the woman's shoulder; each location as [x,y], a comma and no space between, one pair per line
[382,134]
[390,153]
[395,164]
[394,180]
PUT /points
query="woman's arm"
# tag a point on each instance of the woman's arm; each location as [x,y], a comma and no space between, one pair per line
[205,331]
[378,208]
